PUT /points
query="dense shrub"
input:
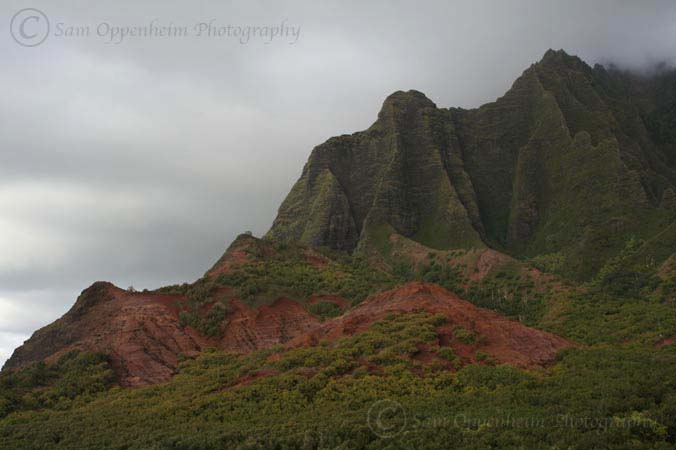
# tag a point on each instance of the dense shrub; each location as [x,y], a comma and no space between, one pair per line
[324,309]
[75,376]
[323,397]
[464,335]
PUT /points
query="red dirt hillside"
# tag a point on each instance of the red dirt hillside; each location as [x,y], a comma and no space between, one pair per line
[140,332]
[504,340]
[142,335]
[250,329]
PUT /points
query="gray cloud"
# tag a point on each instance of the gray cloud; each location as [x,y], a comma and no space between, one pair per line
[138,162]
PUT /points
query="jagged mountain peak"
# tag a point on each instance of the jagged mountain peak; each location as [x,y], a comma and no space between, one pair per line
[540,171]
[561,58]
[405,100]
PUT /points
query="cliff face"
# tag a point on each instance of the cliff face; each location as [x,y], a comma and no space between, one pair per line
[404,174]
[568,153]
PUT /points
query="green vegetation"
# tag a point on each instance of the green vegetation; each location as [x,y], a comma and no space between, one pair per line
[447,353]
[203,310]
[598,318]
[288,273]
[619,391]
[506,291]
[443,274]
[464,335]
[284,271]
[319,397]
[73,380]
[324,309]
[208,323]
[620,276]
[625,302]
[513,297]
[484,357]
[624,299]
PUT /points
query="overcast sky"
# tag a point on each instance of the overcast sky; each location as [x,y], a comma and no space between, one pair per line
[138,159]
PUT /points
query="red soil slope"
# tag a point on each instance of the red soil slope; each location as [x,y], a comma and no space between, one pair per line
[506,341]
[251,329]
[140,332]
[144,340]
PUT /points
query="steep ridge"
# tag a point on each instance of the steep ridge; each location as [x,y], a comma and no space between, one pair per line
[567,153]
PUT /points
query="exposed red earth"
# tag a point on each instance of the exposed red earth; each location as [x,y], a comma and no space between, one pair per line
[144,340]
[140,332]
[251,329]
[666,341]
[504,340]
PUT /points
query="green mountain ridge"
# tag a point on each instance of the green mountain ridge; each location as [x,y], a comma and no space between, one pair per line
[566,154]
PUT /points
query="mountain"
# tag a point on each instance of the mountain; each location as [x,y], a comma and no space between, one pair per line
[568,153]
[500,277]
